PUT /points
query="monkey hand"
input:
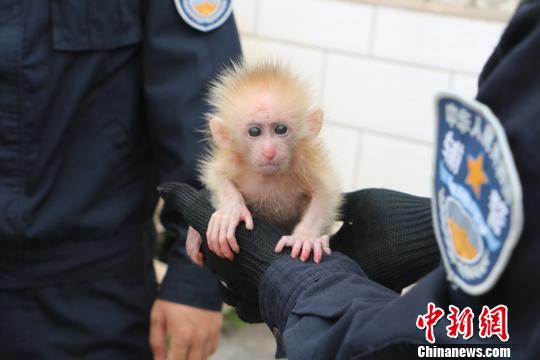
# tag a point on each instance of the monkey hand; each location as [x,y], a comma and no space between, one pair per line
[193,246]
[222,226]
[302,246]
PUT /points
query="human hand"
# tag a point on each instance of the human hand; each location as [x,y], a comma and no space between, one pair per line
[193,246]
[222,226]
[193,332]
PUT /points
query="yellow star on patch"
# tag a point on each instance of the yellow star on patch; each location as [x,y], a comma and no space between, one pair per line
[206,8]
[476,176]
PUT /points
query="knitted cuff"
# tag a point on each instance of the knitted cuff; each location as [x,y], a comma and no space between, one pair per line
[390,234]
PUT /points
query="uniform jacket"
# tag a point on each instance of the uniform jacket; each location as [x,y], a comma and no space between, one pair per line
[99,102]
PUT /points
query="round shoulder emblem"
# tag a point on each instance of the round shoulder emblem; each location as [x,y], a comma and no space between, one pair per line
[204,15]
[477,197]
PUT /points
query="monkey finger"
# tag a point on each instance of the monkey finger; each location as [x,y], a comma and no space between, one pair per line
[226,250]
[325,242]
[233,245]
[296,248]
[214,238]
[209,233]
[223,244]
[222,237]
[306,250]
[233,223]
[317,251]
[284,241]
[246,216]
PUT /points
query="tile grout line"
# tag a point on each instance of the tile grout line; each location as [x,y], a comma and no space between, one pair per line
[324,72]
[341,52]
[452,80]
[256,18]
[375,18]
[357,157]
[380,133]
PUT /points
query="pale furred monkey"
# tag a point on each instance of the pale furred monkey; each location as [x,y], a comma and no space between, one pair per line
[267,161]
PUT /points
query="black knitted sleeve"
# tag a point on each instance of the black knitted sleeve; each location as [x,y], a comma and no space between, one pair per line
[388,233]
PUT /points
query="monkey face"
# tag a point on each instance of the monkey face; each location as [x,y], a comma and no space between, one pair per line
[269,146]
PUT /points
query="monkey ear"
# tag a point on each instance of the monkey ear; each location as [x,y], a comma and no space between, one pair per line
[219,132]
[315,121]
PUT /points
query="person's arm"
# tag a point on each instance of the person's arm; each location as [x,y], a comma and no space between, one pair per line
[177,63]
[400,224]
[332,310]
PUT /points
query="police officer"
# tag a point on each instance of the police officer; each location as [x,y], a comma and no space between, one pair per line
[100,100]
[485,214]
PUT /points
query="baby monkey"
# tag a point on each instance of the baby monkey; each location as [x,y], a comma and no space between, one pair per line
[266,161]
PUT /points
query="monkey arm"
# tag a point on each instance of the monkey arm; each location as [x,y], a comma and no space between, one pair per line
[315,219]
[225,192]
[231,209]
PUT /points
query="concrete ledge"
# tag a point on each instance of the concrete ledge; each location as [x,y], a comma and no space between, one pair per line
[459,10]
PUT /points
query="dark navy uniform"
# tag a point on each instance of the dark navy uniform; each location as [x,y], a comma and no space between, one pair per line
[100,100]
[333,311]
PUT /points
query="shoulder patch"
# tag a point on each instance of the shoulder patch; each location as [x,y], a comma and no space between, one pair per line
[204,15]
[477,196]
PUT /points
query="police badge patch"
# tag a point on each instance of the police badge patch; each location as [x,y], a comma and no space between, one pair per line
[477,198]
[204,15]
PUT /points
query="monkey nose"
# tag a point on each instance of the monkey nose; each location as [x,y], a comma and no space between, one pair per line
[269,154]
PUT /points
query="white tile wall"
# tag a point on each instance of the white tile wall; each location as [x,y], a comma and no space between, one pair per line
[338,25]
[466,85]
[245,12]
[343,145]
[375,69]
[386,162]
[434,40]
[305,61]
[386,97]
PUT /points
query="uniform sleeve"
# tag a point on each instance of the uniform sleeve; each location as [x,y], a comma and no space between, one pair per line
[178,62]
[333,310]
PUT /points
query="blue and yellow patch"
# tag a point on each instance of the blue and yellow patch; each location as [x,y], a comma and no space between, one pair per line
[477,199]
[204,15]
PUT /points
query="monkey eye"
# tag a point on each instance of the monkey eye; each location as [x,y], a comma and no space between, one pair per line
[281,129]
[254,131]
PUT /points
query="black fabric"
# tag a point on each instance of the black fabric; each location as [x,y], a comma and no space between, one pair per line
[388,233]
[98,319]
